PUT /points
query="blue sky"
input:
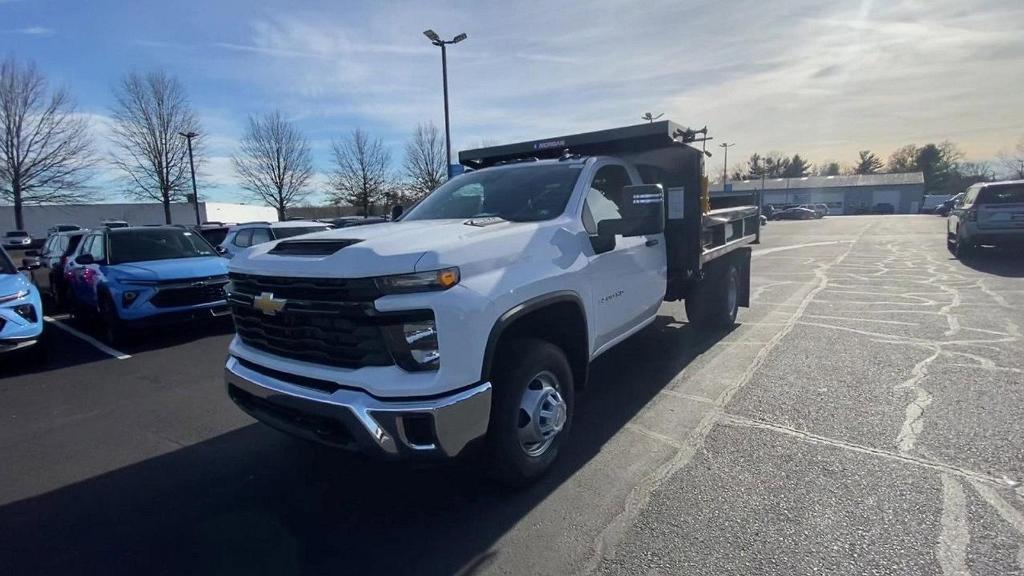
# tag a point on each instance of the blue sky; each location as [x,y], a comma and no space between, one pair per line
[824,79]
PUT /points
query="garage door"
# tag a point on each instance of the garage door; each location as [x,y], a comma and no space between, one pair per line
[887,197]
[834,201]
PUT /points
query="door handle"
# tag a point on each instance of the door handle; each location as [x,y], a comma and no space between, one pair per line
[651,242]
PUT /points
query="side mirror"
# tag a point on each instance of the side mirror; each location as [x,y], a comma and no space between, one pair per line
[85,259]
[221,250]
[604,241]
[30,264]
[397,211]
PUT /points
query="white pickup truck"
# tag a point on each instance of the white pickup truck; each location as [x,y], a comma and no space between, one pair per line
[473,319]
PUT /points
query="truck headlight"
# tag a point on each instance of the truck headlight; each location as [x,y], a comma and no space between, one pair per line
[414,345]
[419,281]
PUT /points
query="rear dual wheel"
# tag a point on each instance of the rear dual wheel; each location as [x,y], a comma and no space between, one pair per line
[714,302]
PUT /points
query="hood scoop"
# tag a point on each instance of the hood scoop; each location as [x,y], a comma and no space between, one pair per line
[485,221]
[324,247]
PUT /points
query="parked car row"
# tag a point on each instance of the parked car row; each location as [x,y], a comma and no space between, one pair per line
[119,278]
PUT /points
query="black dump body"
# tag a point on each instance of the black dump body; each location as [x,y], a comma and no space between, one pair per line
[660,155]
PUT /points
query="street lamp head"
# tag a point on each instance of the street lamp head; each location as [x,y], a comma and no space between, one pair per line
[459,38]
[432,35]
[189,135]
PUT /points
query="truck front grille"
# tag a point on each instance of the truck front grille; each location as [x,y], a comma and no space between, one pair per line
[315,289]
[323,321]
[190,292]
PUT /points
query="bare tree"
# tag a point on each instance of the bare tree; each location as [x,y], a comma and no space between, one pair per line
[151,113]
[1013,161]
[425,160]
[45,151]
[275,163]
[904,159]
[362,174]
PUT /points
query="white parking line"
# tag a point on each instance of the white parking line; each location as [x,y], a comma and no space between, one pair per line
[782,248]
[94,342]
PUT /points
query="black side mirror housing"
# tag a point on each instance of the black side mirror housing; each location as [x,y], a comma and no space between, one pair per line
[85,259]
[30,264]
[221,250]
[602,242]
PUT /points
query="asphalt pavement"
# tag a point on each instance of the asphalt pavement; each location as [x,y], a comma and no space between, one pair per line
[863,417]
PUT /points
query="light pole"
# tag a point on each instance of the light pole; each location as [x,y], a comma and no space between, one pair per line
[725,163]
[650,117]
[436,41]
[192,166]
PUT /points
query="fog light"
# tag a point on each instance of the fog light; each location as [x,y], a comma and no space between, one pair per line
[421,338]
[27,311]
[128,297]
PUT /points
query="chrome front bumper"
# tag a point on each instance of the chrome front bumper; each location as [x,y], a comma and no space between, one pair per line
[353,419]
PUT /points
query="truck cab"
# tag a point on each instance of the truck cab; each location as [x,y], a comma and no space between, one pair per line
[474,318]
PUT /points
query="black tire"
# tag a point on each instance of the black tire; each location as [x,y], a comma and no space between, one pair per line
[522,366]
[110,322]
[714,303]
[963,248]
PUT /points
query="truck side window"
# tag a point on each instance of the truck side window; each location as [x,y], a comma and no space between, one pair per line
[260,235]
[243,239]
[604,197]
[98,248]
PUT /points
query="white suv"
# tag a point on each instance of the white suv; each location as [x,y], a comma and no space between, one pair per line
[990,213]
[252,233]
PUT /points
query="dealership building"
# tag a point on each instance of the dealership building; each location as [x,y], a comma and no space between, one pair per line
[855,194]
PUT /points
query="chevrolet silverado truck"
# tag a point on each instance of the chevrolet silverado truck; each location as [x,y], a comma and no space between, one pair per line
[472,320]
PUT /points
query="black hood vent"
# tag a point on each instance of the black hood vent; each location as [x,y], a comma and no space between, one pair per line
[324,247]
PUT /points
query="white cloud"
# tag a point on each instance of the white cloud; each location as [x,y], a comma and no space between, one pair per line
[33,31]
[822,79]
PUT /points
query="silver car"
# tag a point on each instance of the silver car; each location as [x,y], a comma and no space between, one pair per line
[990,213]
[17,239]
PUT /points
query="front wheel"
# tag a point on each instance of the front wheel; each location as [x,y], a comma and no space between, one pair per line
[113,327]
[531,412]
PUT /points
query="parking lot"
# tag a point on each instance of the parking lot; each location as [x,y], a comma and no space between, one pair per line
[864,417]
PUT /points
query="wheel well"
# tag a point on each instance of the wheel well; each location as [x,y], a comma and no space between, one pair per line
[559,321]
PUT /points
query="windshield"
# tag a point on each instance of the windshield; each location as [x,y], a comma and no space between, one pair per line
[298,231]
[141,245]
[1011,194]
[16,233]
[6,266]
[520,193]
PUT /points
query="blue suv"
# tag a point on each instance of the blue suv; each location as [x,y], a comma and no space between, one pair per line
[21,310]
[148,275]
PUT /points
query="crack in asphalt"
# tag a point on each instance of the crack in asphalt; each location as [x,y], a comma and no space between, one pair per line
[606,540]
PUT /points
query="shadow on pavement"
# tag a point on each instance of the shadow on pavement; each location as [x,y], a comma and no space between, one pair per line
[253,501]
[65,350]
[1006,262]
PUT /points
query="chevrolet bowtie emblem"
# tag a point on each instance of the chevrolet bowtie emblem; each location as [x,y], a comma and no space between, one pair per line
[267,304]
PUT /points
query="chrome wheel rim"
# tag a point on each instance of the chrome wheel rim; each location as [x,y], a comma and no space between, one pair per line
[542,414]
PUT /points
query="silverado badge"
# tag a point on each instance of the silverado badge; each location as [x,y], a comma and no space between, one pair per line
[267,304]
